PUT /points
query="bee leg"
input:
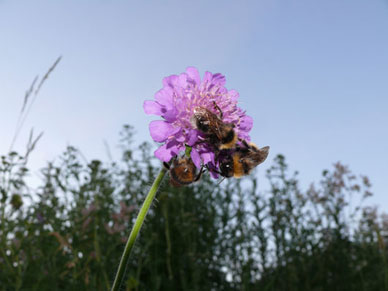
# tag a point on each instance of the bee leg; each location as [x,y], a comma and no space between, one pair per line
[166,165]
[200,174]
[214,170]
[223,178]
[244,142]
[218,108]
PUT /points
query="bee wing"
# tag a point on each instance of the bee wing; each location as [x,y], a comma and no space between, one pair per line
[216,129]
[263,154]
[215,123]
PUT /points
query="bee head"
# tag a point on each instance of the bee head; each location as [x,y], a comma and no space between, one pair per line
[227,168]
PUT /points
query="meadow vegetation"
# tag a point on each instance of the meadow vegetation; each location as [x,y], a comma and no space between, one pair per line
[69,233]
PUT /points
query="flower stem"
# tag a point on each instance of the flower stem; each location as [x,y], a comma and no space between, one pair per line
[135,230]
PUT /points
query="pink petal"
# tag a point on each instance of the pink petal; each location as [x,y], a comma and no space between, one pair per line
[174,147]
[182,80]
[168,150]
[196,158]
[165,97]
[163,153]
[213,171]
[170,81]
[214,175]
[207,77]
[160,130]
[179,137]
[245,136]
[219,79]
[170,115]
[152,107]
[178,149]
[233,94]
[207,157]
[246,123]
[193,74]
[192,137]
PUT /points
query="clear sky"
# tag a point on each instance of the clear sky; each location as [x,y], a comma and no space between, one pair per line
[312,74]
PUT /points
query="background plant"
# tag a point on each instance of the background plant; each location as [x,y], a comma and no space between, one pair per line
[68,234]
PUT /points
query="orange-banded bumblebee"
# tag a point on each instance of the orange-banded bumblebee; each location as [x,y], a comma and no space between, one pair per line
[219,134]
[242,160]
[183,171]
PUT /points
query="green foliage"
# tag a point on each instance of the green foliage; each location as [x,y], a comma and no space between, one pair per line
[69,233]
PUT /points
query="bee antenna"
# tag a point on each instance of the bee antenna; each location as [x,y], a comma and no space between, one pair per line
[200,174]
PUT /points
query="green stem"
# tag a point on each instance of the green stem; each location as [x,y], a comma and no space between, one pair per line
[135,230]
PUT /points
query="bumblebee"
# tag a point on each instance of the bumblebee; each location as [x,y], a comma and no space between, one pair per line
[183,171]
[242,160]
[219,134]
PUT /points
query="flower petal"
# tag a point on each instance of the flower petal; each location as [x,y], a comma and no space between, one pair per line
[207,77]
[182,80]
[168,150]
[213,174]
[165,97]
[233,94]
[246,123]
[152,107]
[175,147]
[170,115]
[163,153]
[170,81]
[160,130]
[196,158]
[192,137]
[213,171]
[179,137]
[218,79]
[193,74]
[207,157]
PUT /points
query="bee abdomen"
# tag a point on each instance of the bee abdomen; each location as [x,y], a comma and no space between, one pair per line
[229,140]
[185,177]
[238,168]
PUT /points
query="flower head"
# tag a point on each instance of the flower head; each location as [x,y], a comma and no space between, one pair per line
[177,102]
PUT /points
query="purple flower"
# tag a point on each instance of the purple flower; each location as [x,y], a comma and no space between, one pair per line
[176,102]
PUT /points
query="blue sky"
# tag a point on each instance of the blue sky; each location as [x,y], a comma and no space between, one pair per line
[312,74]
